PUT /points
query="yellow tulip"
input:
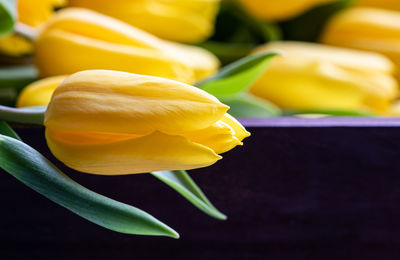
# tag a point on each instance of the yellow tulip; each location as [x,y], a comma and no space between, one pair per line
[387,4]
[279,10]
[78,39]
[15,45]
[39,93]
[32,13]
[35,12]
[369,29]
[109,122]
[175,20]
[312,76]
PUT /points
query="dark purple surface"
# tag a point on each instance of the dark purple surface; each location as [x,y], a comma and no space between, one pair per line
[322,192]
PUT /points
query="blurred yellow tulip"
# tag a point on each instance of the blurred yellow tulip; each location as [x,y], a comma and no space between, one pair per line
[77,39]
[316,77]
[35,12]
[279,10]
[387,4]
[32,13]
[39,93]
[369,29]
[176,20]
[109,122]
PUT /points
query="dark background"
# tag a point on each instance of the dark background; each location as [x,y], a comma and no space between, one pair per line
[322,192]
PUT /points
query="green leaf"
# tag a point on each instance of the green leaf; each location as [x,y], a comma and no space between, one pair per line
[5,129]
[238,76]
[25,115]
[8,13]
[308,26]
[184,185]
[17,76]
[228,52]
[330,112]
[35,171]
[247,105]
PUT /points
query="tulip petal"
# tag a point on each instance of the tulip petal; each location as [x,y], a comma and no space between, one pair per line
[39,93]
[220,137]
[111,101]
[153,152]
[94,25]
[59,52]
[240,132]
[175,20]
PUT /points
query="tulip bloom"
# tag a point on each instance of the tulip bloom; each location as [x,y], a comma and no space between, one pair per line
[387,4]
[39,92]
[279,10]
[312,76]
[109,122]
[78,39]
[175,20]
[369,29]
[32,13]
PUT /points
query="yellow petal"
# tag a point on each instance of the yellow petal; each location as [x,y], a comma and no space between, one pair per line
[312,76]
[387,4]
[39,93]
[176,20]
[153,152]
[239,131]
[15,45]
[363,28]
[111,101]
[220,137]
[94,25]
[60,52]
[202,62]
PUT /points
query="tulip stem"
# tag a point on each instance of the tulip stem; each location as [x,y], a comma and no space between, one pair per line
[26,31]
[28,115]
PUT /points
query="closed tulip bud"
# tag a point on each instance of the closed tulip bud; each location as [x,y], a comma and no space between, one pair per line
[39,93]
[109,122]
[387,4]
[369,29]
[312,76]
[279,10]
[175,20]
[78,39]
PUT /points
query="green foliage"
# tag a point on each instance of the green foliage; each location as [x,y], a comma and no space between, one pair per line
[35,171]
[8,14]
[237,33]
[184,185]
[308,26]
[231,83]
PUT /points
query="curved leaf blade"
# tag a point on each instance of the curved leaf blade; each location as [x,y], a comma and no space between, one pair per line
[25,115]
[184,185]
[17,76]
[5,129]
[238,76]
[35,171]
[8,14]
[247,105]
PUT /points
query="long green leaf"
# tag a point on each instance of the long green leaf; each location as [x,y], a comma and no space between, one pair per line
[35,171]
[247,105]
[26,115]
[238,76]
[330,112]
[6,130]
[8,13]
[17,76]
[184,185]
